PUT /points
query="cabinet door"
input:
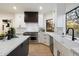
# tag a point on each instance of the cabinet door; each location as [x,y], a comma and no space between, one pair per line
[61,50]
[58,51]
[25,48]
[66,51]
[16,52]
[46,39]
[21,50]
[55,47]
[43,38]
[40,37]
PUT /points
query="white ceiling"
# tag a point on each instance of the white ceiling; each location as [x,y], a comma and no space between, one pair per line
[21,7]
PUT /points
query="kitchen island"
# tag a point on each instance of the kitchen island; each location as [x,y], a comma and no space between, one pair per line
[15,47]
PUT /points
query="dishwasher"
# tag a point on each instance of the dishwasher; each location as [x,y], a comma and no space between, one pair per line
[51,45]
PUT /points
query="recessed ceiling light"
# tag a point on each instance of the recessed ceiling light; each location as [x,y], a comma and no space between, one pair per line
[40,7]
[14,7]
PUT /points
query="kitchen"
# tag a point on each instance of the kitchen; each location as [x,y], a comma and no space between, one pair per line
[25,25]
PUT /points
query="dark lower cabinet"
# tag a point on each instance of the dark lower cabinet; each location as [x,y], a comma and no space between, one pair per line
[21,50]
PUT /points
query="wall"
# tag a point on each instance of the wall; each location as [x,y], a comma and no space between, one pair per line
[5,16]
[60,21]
[40,20]
[58,15]
[19,20]
[30,27]
[49,15]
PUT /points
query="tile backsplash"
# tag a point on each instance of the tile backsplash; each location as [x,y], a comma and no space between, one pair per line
[30,27]
[59,30]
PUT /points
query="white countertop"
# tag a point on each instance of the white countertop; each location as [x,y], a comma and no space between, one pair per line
[7,46]
[65,41]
